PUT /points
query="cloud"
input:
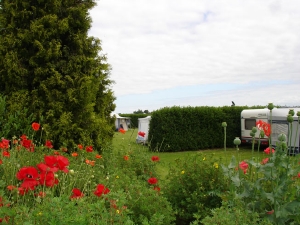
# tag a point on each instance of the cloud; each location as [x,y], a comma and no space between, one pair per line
[162,46]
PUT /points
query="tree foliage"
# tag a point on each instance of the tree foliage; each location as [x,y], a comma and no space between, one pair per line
[50,65]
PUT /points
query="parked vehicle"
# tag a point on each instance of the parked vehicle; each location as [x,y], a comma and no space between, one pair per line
[279,124]
[143,130]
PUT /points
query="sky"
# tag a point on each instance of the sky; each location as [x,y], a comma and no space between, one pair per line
[166,53]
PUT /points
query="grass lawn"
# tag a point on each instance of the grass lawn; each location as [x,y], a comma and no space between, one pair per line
[127,143]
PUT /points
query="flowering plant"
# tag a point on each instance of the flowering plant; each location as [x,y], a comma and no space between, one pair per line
[270,187]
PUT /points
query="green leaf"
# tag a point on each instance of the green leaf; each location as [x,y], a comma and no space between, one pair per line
[232,163]
[236,180]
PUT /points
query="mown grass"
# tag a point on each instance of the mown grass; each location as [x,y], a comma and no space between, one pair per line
[127,143]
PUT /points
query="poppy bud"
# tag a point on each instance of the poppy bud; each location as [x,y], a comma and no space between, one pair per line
[282,137]
[224,124]
[252,134]
[291,112]
[270,106]
[262,134]
[237,141]
[283,145]
[290,119]
[254,130]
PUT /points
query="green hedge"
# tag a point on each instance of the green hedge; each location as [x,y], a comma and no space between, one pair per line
[193,128]
[134,118]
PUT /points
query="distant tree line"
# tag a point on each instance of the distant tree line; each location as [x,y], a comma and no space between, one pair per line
[140,111]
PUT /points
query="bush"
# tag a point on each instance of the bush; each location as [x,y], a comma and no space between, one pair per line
[49,65]
[194,185]
[232,216]
[14,123]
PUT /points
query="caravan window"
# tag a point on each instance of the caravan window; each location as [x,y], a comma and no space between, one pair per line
[250,123]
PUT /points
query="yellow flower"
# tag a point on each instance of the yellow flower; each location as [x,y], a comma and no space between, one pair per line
[216,165]
[117,211]
[182,172]
[117,177]
[204,158]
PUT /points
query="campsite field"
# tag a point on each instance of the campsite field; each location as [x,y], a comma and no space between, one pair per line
[127,143]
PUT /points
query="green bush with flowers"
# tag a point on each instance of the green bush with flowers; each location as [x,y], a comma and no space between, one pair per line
[43,185]
[269,187]
[40,185]
[195,185]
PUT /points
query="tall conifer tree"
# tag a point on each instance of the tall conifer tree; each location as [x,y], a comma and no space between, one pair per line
[50,65]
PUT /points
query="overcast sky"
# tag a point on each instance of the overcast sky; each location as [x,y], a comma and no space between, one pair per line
[168,53]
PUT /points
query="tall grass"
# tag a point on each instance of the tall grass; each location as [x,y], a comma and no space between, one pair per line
[126,143]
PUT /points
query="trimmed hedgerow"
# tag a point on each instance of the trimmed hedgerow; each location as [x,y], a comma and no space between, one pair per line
[193,128]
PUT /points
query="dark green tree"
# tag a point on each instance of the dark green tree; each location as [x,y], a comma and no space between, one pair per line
[50,65]
[139,111]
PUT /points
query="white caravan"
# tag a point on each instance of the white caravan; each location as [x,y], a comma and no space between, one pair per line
[249,117]
[122,122]
[143,130]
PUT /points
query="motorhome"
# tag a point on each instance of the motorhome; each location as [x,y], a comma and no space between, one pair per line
[279,124]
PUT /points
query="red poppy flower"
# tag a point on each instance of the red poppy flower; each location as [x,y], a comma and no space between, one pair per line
[29,175]
[270,212]
[23,137]
[266,127]
[90,162]
[62,163]
[6,154]
[48,144]
[126,157]
[264,161]
[98,156]
[4,144]
[141,133]
[101,189]
[74,154]
[155,158]
[54,163]
[44,168]
[244,166]
[48,179]
[35,126]
[11,187]
[76,193]
[28,145]
[22,191]
[156,188]
[56,153]
[89,148]
[152,180]
[121,130]
[267,150]
[80,146]
[5,219]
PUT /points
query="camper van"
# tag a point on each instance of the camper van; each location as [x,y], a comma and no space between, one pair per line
[122,122]
[249,117]
[143,130]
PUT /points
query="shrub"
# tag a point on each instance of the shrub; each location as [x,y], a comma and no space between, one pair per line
[232,216]
[49,65]
[194,186]
[14,123]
